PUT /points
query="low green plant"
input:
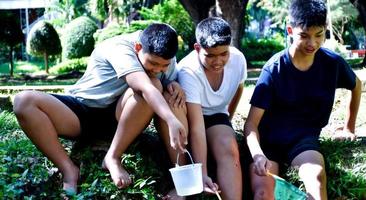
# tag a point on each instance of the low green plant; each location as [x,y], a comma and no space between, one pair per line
[114,30]
[76,64]
[261,49]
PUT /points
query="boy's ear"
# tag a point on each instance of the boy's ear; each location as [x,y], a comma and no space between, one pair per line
[197,47]
[289,30]
[138,47]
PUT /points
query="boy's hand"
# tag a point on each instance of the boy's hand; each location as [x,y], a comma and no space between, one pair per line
[261,165]
[177,134]
[208,185]
[344,134]
[177,97]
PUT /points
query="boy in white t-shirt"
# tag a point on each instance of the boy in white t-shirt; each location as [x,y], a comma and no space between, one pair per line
[212,77]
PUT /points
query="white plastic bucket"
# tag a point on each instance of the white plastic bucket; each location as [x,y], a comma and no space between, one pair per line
[188,178]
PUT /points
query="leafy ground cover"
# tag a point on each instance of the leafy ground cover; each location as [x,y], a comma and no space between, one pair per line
[26,174]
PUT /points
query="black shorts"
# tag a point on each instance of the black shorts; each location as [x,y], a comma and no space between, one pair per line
[95,123]
[216,119]
[284,154]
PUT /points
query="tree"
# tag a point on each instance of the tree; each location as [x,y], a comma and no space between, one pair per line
[43,40]
[10,35]
[361,7]
[233,11]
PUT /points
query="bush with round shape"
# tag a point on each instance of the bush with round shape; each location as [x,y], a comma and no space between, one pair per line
[77,38]
[43,40]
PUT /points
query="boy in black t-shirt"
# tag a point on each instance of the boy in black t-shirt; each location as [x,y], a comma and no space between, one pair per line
[292,102]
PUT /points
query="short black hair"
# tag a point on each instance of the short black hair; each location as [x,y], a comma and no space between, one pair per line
[160,39]
[212,32]
[307,13]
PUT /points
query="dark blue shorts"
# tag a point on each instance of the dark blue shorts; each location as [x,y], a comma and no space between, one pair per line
[216,119]
[96,123]
[284,154]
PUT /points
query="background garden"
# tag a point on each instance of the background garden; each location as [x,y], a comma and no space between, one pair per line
[55,52]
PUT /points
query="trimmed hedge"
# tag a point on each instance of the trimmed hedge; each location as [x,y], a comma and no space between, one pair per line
[260,49]
[77,64]
[114,30]
[43,38]
[77,38]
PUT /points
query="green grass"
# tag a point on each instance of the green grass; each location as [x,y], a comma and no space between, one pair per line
[26,173]
[23,67]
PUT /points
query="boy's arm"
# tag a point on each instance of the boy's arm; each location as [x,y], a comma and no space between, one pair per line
[140,82]
[350,120]
[260,161]
[235,101]
[198,141]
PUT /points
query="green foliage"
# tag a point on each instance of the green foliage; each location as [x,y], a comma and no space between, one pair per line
[77,64]
[114,30]
[77,38]
[173,13]
[261,49]
[66,10]
[345,160]
[10,32]
[43,39]
[26,173]
[345,167]
[98,9]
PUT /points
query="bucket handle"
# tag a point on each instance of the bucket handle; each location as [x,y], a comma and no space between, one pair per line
[185,151]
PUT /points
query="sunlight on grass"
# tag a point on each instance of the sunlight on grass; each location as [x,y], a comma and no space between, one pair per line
[23,67]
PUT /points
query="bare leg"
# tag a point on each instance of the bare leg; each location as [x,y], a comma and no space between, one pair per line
[263,186]
[312,172]
[162,127]
[223,145]
[133,114]
[43,118]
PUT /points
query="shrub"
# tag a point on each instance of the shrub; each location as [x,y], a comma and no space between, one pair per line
[114,30]
[173,13]
[43,40]
[77,38]
[77,64]
[261,49]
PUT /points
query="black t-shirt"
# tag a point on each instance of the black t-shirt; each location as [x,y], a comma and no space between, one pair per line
[298,103]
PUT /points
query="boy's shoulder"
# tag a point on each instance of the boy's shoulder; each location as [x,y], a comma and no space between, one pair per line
[327,53]
[276,59]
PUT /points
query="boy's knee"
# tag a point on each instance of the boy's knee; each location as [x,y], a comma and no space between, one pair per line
[21,100]
[230,147]
[313,173]
[262,194]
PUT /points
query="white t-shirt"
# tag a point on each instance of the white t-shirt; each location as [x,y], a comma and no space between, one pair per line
[192,79]
[103,82]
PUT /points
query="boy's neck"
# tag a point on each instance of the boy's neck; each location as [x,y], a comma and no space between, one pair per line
[301,61]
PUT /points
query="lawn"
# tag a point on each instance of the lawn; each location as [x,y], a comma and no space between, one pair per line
[26,174]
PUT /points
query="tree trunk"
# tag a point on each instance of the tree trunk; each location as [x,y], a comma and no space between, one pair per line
[45,56]
[232,11]
[361,7]
[197,9]
[11,61]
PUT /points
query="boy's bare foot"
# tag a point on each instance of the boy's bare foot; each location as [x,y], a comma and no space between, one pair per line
[70,181]
[119,175]
[172,195]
